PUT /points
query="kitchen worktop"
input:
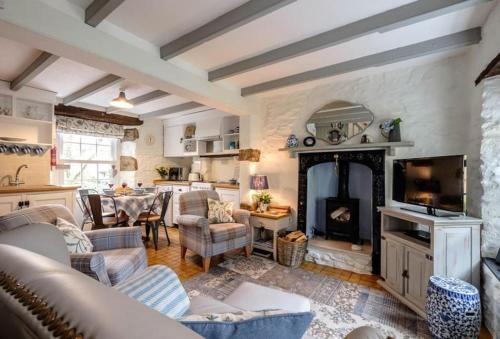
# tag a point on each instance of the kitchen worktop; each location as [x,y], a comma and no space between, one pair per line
[36,188]
[225,185]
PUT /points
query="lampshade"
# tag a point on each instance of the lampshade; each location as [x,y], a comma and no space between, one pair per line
[121,101]
[259,182]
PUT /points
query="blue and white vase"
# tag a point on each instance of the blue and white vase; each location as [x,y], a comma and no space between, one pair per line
[453,309]
[292,141]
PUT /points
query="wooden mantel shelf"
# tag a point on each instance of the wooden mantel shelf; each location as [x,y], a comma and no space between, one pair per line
[390,147]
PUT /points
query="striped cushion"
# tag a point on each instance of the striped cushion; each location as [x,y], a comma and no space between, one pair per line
[158,288]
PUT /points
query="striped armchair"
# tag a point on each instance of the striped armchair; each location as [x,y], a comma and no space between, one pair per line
[205,239]
[118,253]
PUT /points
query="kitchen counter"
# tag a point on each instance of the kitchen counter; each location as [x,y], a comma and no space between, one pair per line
[225,185]
[36,188]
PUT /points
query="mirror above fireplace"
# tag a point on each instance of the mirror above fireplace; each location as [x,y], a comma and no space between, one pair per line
[339,121]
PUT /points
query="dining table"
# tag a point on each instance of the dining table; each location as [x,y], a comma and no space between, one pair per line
[133,204]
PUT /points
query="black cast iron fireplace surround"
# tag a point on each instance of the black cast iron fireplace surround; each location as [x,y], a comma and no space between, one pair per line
[375,160]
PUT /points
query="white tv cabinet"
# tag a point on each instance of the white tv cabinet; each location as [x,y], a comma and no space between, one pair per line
[407,263]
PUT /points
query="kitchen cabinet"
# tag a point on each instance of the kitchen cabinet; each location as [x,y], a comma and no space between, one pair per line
[226,194]
[168,216]
[407,263]
[177,191]
[9,202]
[173,141]
[13,201]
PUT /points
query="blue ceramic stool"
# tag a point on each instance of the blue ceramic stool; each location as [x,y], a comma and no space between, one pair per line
[453,309]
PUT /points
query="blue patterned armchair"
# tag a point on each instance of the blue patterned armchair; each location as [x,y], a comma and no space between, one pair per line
[117,254]
[197,234]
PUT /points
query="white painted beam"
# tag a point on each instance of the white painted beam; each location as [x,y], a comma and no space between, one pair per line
[95,87]
[53,30]
[395,18]
[233,19]
[142,99]
[98,10]
[448,42]
[187,106]
[36,67]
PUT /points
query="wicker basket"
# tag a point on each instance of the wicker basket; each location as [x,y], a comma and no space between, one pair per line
[291,253]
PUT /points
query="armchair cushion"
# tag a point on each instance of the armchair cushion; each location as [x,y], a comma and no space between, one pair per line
[219,211]
[75,238]
[91,264]
[115,238]
[227,231]
[122,263]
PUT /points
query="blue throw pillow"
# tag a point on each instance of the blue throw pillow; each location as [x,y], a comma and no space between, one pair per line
[247,324]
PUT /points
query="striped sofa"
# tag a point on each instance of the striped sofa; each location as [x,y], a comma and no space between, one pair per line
[118,252]
[205,239]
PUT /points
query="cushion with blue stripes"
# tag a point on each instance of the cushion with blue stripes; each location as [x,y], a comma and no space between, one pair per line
[159,288]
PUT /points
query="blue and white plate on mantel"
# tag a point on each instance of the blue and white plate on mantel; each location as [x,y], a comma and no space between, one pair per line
[292,141]
[453,308]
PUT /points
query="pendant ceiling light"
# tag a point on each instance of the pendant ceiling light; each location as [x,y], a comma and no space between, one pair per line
[121,101]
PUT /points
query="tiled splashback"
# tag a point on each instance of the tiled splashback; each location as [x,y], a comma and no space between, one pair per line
[37,173]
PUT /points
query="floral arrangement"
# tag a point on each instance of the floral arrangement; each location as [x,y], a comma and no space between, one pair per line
[387,126]
[162,171]
[263,199]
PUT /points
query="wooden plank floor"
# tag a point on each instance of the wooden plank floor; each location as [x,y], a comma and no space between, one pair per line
[171,256]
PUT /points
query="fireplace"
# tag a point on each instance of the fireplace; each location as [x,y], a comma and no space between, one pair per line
[345,222]
[342,212]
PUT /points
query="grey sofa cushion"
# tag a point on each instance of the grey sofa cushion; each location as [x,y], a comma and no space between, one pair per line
[41,238]
[94,310]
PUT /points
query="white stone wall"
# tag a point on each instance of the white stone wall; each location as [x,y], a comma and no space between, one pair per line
[431,99]
[490,167]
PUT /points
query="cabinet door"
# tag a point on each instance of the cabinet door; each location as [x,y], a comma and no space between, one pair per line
[229,195]
[64,198]
[9,203]
[418,271]
[177,191]
[173,138]
[394,265]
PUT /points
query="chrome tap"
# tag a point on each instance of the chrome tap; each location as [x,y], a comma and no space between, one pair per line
[17,181]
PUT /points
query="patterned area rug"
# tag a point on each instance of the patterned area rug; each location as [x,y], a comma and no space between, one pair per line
[339,306]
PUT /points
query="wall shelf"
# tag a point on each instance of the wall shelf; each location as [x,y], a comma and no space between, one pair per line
[390,147]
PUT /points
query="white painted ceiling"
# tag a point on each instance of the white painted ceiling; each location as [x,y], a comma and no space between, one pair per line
[156,22]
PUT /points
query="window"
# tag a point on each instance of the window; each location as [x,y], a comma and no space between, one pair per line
[90,160]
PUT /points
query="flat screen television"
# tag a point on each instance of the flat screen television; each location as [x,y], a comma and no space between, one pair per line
[435,183]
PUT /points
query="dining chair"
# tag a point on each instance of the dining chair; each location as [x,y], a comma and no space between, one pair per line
[99,219]
[83,204]
[154,220]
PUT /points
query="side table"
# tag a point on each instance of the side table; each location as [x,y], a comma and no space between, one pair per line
[274,222]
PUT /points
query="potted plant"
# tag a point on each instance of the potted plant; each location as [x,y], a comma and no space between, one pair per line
[162,171]
[263,199]
[391,130]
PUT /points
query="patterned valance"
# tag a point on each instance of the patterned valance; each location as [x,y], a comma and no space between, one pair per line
[88,127]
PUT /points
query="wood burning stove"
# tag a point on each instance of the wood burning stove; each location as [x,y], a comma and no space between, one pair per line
[342,212]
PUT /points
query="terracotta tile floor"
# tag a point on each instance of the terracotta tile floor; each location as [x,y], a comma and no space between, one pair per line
[185,269]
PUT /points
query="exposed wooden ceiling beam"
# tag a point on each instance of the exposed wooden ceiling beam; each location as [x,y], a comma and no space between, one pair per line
[142,99]
[99,85]
[235,18]
[58,31]
[493,69]
[90,114]
[36,67]
[172,109]
[448,42]
[98,10]
[394,18]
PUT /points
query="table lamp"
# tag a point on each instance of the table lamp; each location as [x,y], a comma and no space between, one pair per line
[259,183]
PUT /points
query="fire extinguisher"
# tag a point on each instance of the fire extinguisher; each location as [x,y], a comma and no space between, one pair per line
[53,157]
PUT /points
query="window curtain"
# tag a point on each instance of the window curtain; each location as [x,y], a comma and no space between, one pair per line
[88,127]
